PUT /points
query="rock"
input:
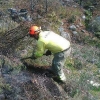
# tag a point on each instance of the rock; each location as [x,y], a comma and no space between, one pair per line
[2,97]
[83,17]
[61,29]
[75,33]
[80,24]
[64,34]
[83,31]
[94,26]
[77,26]
[72,27]
[95,84]
[7,69]
[29,18]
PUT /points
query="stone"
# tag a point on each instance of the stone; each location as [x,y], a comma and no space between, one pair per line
[94,26]
[2,97]
[72,27]
[75,33]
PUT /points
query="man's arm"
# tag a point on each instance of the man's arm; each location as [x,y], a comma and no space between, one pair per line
[40,49]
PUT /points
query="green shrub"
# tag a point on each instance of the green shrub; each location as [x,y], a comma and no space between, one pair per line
[92,41]
[72,19]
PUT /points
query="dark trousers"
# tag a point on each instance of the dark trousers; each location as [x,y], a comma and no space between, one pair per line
[58,63]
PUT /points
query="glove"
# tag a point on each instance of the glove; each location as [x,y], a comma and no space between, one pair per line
[48,52]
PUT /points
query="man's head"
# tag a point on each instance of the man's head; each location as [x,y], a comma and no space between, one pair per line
[34,31]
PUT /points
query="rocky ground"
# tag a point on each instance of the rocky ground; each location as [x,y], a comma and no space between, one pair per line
[30,80]
[20,81]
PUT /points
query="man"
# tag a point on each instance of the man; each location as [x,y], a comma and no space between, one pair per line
[54,44]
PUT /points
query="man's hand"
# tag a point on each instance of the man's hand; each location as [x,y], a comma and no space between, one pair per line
[48,52]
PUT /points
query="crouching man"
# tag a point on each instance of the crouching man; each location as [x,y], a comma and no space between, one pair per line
[54,44]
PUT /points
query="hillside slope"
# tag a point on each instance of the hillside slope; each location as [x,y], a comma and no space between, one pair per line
[29,79]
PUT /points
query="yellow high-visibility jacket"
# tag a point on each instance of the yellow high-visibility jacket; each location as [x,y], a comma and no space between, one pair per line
[51,41]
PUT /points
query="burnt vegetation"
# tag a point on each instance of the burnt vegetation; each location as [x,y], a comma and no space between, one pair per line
[31,80]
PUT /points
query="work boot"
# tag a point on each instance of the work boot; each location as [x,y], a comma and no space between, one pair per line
[62,77]
[59,79]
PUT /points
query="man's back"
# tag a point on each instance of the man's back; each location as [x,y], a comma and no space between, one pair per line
[54,42]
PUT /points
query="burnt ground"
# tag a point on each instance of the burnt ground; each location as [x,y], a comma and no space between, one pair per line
[20,80]
[30,84]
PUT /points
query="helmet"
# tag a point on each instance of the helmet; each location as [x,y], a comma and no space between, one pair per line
[33,30]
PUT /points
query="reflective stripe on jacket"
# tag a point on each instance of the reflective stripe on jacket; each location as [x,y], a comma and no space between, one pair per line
[51,41]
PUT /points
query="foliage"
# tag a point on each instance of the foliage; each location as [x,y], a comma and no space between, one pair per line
[88,18]
[94,27]
[72,13]
[92,41]
[54,21]
[82,68]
